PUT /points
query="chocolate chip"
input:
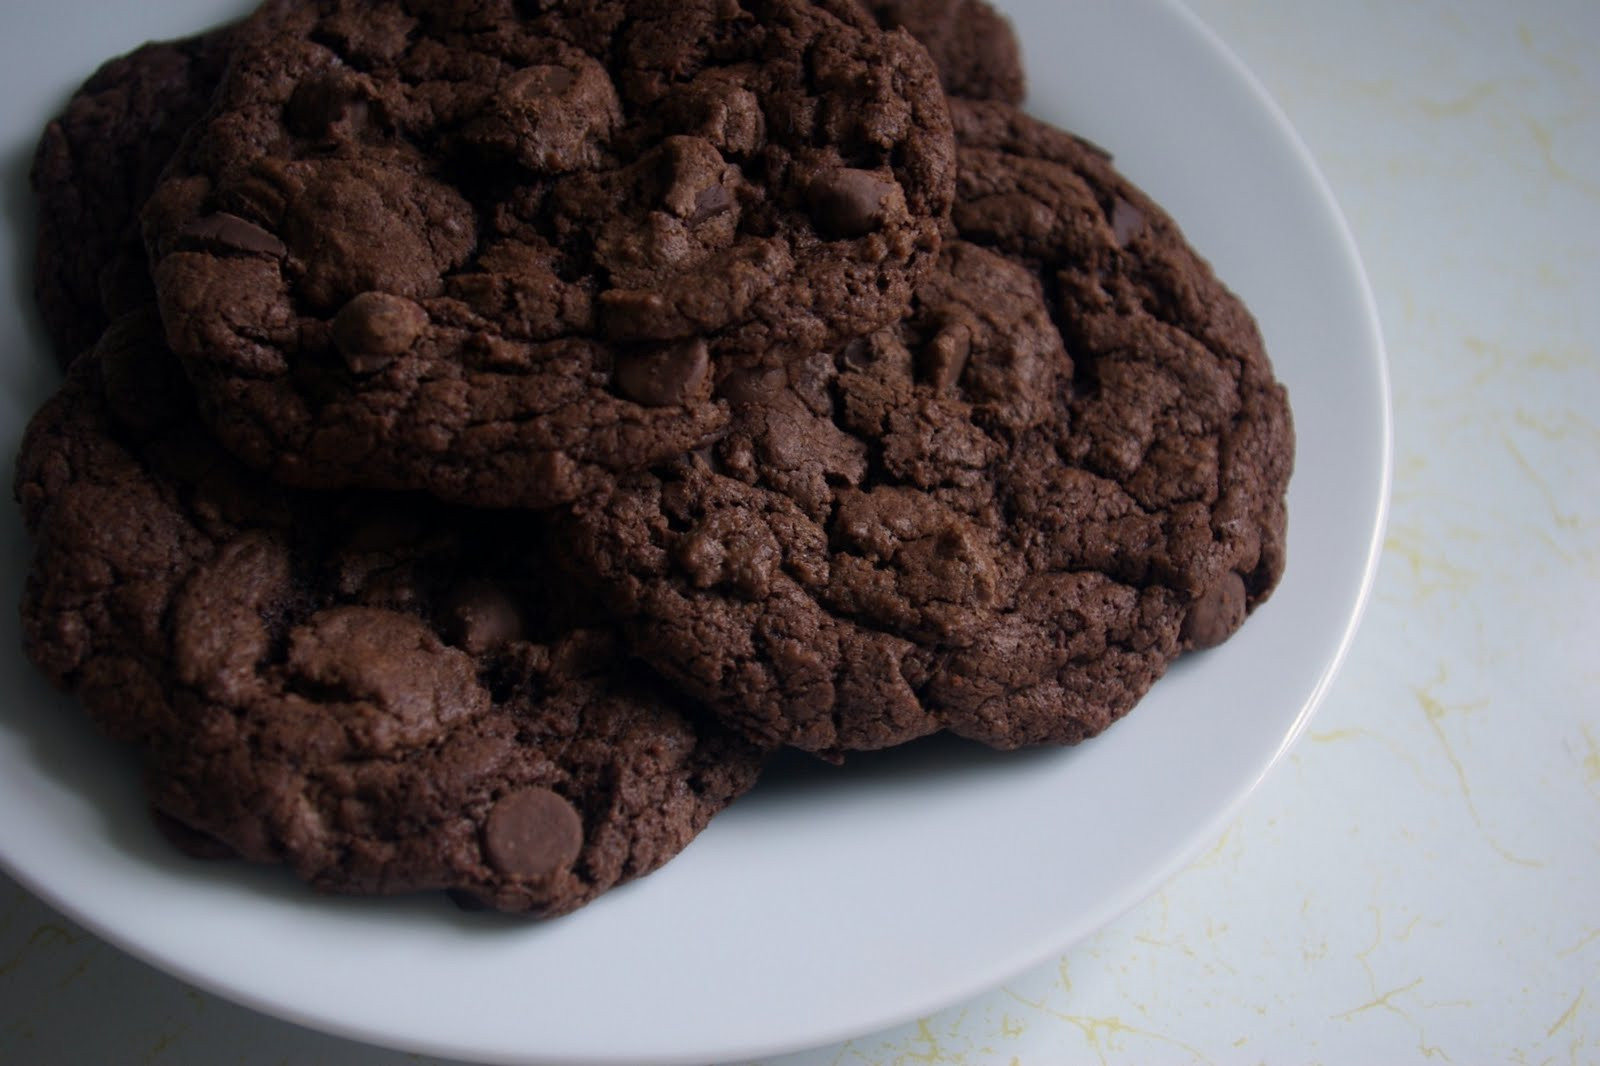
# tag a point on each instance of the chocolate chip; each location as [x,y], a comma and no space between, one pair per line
[1216,613]
[375,327]
[694,177]
[859,354]
[225,233]
[532,834]
[1126,221]
[663,377]
[850,203]
[945,356]
[712,201]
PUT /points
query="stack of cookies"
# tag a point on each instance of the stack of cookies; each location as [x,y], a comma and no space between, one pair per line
[491,430]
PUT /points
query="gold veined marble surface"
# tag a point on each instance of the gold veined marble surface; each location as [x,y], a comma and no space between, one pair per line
[1418,880]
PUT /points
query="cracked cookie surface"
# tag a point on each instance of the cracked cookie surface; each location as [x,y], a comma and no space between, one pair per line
[1003,517]
[382,693]
[499,252]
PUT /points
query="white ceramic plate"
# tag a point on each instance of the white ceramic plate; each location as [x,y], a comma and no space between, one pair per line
[830,902]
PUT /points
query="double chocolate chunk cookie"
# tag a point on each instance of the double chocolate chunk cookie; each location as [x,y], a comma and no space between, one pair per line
[1176,420]
[1003,517]
[95,166]
[500,252]
[381,692]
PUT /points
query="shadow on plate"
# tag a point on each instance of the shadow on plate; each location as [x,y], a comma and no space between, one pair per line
[791,775]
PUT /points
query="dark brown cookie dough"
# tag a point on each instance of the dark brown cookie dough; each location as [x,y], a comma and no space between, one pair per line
[1004,517]
[95,166]
[380,692]
[971,43]
[498,252]
[1174,402]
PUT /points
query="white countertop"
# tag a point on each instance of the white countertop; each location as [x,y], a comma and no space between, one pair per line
[1418,880]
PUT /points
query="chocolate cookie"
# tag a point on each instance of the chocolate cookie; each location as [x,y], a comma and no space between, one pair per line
[381,692]
[971,43]
[95,166]
[1004,517]
[498,252]
[1174,399]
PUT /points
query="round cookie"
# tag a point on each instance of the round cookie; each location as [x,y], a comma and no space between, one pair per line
[94,167]
[1003,518]
[499,251]
[971,43]
[1174,398]
[380,692]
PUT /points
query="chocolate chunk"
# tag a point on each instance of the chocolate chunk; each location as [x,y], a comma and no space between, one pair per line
[1216,613]
[1126,221]
[375,327]
[662,377]
[695,176]
[851,203]
[945,356]
[710,202]
[858,354]
[532,834]
[229,234]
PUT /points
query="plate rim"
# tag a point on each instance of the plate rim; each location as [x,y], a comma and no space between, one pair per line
[1001,967]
